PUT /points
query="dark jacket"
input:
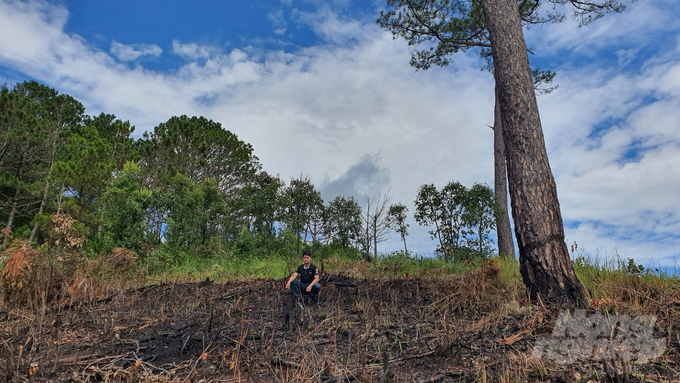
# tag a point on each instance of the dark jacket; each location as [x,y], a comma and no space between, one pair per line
[307,275]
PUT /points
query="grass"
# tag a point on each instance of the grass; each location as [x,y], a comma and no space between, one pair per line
[220,268]
[617,283]
[612,281]
[226,267]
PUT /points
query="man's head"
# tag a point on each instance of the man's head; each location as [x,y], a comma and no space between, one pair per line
[306,258]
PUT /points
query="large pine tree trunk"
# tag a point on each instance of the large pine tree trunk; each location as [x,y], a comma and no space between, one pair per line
[10,219]
[544,259]
[503,230]
[55,135]
[34,231]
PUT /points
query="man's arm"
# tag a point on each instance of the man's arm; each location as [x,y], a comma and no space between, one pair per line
[316,279]
[291,279]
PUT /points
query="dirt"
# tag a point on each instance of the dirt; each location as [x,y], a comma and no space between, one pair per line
[402,330]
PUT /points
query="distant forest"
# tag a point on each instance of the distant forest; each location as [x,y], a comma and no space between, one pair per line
[192,188]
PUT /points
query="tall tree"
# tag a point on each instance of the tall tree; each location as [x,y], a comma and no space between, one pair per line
[542,85]
[23,138]
[497,24]
[544,258]
[503,229]
[62,114]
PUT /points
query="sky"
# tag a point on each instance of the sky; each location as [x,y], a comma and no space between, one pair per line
[320,90]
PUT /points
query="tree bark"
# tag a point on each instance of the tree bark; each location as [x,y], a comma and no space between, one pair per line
[503,230]
[40,211]
[53,152]
[544,260]
[10,219]
[15,202]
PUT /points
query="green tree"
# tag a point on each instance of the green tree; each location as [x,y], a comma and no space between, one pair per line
[200,149]
[302,199]
[479,214]
[265,204]
[317,222]
[86,170]
[428,210]
[23,135]
[343,221]
[195,215]
[397,221]
[117,133]
[443,210]
[126,202]
[452,196]
[462,217]
[61,114]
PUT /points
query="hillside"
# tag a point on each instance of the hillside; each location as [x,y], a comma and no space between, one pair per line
[458,328]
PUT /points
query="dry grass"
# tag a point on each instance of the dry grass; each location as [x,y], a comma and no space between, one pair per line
[17,267]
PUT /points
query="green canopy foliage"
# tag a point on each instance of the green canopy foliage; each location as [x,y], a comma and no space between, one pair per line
[189,188]
[461,218]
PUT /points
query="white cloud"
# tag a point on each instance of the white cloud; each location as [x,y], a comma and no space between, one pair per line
[639,24]
[612,136]
[276,17]
[614,142]
[331,26]
[193,51]
[134,51]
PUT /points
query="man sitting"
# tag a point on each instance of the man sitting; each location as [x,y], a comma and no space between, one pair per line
[309,278]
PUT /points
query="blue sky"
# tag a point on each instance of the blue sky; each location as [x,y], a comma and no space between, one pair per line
[319,89]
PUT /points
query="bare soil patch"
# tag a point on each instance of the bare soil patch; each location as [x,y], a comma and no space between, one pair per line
[459,329]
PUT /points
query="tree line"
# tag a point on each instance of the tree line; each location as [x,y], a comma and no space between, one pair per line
[192,188]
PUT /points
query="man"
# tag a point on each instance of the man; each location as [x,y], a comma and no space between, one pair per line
[309,278]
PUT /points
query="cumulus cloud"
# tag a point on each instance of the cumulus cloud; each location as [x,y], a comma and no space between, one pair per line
[612,135]
[134,51]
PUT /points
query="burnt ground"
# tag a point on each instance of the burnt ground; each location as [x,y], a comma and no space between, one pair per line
[460,329]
